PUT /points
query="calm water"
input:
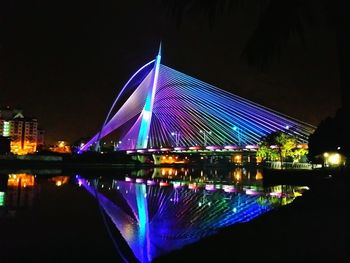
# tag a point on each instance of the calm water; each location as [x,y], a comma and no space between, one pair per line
[154,210]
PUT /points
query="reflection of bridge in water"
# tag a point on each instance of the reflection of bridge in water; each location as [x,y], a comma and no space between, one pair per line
[163,212]
[160,107]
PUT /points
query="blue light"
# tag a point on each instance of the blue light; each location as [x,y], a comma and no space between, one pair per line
[143,135]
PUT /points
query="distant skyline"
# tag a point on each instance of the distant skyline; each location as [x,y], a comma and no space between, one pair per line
[64,62]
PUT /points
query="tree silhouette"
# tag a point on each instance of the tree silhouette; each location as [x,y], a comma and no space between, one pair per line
[330,136]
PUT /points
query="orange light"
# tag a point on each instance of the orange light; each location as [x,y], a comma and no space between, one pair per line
[60,180]
[259,175]
[20,180]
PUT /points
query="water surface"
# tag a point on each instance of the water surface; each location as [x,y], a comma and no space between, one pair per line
[154,210]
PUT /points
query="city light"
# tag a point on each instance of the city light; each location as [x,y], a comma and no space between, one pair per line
[333,159]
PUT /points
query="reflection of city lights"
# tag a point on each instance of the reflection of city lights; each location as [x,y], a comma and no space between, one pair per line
[250,192]
[277,194]
[209,187]
[228,188]
[258,176]
[237,175]
[139,180]
[163,184]
[2,198]
[176,184]
[151,182]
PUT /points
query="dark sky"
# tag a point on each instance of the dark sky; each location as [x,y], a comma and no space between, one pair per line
[64,61]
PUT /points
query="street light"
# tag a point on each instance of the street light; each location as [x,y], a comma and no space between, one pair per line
[177,137]
[205,136]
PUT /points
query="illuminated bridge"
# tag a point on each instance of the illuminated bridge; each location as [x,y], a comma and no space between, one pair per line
[160,106]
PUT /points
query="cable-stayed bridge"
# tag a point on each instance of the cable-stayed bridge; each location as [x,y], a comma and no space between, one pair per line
[160,106]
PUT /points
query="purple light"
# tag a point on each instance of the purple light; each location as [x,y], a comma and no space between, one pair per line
[166,149]
[210,187]
[231,147]
[213,147]
[252,147]
[229,188]
[176,184]
[153,150]
[151,182]
[180,148]
[139,180]
[276,194]
[250,192]
[128,179]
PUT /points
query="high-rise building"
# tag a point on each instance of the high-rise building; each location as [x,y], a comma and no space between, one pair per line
[23,131]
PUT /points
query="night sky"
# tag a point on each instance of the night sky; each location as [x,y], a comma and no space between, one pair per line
[64,61]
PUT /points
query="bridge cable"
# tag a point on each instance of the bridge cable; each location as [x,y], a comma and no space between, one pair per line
[115,244]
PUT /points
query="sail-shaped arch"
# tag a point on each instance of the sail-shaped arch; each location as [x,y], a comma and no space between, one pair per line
[170,108]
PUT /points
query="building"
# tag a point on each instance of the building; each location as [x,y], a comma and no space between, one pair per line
[23,131]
